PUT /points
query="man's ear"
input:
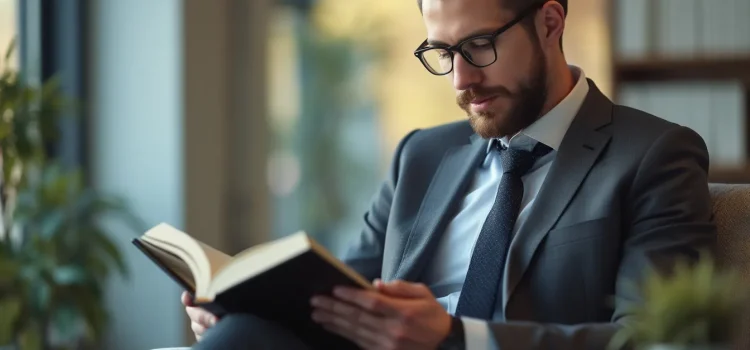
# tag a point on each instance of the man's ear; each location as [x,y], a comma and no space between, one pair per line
[550,24]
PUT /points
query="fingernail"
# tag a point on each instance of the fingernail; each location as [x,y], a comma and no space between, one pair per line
[213,321]
[315,301]
[316,317]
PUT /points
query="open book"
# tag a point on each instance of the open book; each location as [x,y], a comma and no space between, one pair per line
[273,280]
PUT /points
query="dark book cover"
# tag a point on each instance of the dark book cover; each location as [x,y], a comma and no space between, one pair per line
[282,295]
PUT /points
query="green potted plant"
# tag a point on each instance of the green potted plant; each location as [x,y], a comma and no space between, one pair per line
[697,307]
[55,250]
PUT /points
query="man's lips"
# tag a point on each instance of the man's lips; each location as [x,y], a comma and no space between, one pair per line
[478,101]
[483,102]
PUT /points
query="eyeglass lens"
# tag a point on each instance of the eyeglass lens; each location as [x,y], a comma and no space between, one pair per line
[479,52]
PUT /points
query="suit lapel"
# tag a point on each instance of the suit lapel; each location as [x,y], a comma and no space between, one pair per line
[445,191]
[580,148]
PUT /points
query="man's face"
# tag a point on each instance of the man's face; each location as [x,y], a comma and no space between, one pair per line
[507,96]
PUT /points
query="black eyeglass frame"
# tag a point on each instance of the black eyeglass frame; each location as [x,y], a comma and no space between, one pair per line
[492,37]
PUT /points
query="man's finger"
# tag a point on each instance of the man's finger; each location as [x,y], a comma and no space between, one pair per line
[186,299]
[337,313]
[344,309]
[198,329]
[208,319]
[194,313]
[370,301]
[322,302]
[201,316]
[404,289]
[354,314]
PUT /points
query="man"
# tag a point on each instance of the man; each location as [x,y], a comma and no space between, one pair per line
[524,227]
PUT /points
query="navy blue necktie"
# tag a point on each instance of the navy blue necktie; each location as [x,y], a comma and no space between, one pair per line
[482,283]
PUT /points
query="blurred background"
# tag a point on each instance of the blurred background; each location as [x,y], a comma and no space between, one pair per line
[241,121]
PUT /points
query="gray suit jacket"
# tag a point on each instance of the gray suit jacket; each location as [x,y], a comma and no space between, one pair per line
[627,192]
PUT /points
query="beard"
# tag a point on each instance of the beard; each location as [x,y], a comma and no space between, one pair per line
[525,108]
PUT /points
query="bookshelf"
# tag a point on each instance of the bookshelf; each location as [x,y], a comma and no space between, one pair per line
[704,69]
[694,64]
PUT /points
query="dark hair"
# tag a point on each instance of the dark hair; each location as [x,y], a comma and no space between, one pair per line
[517,6]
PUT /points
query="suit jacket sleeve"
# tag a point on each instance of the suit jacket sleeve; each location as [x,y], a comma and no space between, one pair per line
[668,217]
[365,255]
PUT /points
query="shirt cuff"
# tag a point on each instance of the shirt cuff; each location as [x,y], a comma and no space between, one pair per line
[477,334]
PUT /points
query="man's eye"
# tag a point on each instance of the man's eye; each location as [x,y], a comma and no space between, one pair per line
[479,45]
[444,54]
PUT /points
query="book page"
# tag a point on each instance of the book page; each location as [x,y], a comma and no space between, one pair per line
[186,249]
[267,256]
[258,259]
[216,258]
[173,264]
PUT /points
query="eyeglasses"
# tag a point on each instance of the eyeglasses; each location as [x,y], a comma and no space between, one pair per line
[478,50]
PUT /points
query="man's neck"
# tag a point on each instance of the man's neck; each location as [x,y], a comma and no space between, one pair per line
[560,83]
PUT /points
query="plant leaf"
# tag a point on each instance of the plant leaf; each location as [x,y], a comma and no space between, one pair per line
[110,250]
[31,338]
[9,271]
[64,319]
[94,315]
[41,295]
[9,51]
[70,275]
[696,304]
[52,222]
[11,309]
[5,128]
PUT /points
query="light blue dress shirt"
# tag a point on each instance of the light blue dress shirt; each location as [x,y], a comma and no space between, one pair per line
[446,274]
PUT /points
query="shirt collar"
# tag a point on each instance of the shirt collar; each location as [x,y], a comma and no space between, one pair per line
[551,127]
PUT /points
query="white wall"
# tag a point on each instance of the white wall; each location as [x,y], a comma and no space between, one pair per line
[587,40]
[8,29]
[137,128]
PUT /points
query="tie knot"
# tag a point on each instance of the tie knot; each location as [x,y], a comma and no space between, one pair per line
[518,162]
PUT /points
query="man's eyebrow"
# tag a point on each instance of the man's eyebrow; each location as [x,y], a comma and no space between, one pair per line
[478,32]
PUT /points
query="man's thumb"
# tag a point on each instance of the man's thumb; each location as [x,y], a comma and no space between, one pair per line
[402,289]
[186,299]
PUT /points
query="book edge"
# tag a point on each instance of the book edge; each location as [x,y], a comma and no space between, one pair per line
[338,264]
[137,242]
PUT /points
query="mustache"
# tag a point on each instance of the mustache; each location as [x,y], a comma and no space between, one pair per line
[465,97]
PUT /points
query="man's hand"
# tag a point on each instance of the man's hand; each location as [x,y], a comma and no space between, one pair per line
[200,319]
[400,315]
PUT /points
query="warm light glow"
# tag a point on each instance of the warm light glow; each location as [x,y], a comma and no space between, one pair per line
[7,29]
[284,96]
[587,40]
[412,98]
[284,173]
[409,97]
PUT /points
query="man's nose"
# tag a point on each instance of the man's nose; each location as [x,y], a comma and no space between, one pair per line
[465,75]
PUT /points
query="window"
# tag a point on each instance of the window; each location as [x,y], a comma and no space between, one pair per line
[339,103]
[8,29]
[51,44]
[324,161]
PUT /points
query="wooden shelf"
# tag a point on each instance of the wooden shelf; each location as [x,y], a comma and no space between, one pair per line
[700,68]
[707,69]
[731,176]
